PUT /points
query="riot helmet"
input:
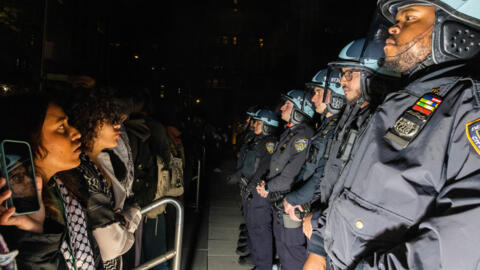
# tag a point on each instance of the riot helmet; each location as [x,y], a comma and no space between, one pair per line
[251,111]
[329,80]
[456,29]
[367,58]
[303,109]
[269,121]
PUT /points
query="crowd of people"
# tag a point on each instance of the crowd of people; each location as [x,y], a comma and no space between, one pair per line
[99,157]
[386,175]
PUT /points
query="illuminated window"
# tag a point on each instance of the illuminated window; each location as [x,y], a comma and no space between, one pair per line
[225,40]
[260,42]
[234,41]
[235,2]
[235,10]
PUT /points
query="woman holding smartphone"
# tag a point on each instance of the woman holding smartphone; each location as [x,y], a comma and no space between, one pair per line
[45,239]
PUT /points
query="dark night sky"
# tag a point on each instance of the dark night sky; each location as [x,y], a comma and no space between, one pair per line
[229,54]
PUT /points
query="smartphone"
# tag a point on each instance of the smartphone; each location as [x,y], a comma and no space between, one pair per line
[19,171]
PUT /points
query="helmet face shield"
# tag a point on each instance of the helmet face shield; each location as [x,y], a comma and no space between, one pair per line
[328,91]
[302,106]
[267,122]
[310,88]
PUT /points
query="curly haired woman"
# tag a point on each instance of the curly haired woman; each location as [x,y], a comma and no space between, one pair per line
[113,224]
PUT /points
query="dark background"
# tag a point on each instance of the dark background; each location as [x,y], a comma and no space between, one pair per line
[214,57]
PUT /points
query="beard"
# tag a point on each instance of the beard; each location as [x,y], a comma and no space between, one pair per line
[355,98]
[411,53]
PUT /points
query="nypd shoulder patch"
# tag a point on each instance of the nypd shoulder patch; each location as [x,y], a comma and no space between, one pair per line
[270,147]
[473,134]
[301,144]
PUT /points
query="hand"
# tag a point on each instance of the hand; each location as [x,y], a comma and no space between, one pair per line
[132,217]
[290,210]
[307,226]
[261,190]
[32,222]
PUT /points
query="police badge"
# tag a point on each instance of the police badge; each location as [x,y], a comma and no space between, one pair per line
[412,121]
[473,134]
[405,127]
[270,147]
[301,144]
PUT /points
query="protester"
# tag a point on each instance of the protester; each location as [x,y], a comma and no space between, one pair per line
[47,238]
[113,224]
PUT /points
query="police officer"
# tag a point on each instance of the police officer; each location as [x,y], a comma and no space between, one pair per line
[286,162]
[258,212]
[244,243]
[329,101]
[362,80]
[408,199]
[248,134]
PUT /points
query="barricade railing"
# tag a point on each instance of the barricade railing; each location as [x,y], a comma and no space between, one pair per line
[197,178]
[176,253]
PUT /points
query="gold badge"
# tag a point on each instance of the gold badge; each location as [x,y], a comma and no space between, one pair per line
[270,147]
[301,144]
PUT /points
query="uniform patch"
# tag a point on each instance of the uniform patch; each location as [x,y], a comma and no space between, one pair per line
[473,134]
[427,104]
[270,147]
[412,121]
[301,144]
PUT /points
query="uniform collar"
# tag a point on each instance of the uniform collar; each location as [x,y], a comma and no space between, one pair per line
[435,79]
[327,120]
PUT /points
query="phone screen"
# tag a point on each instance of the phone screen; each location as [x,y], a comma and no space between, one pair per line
[20,176]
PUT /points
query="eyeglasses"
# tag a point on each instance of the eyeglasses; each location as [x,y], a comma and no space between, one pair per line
[348,75]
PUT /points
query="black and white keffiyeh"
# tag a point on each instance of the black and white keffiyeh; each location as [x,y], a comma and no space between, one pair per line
[81,251]
[98,184]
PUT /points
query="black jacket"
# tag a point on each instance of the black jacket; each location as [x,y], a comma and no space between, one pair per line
[42,251]
[288,158]
[409,197]
[313,168]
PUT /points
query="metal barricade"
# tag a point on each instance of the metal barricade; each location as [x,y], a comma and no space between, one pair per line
[176,253]
[196,178]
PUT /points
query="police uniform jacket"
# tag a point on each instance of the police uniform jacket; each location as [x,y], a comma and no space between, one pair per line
[256,157]
[249,135]
[312,169]
[288,158]
[410,196]
[352,123]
